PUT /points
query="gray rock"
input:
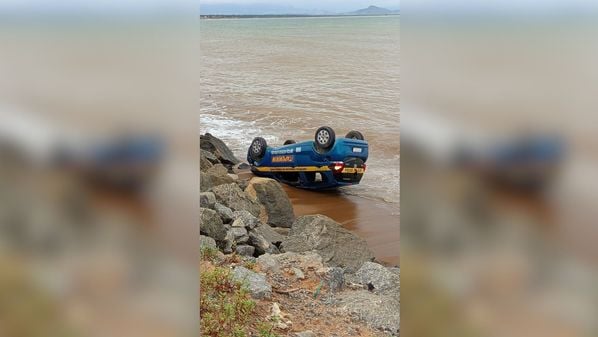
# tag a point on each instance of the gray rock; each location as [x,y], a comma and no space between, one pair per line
[209,156]
[205,182]
[336,245]
[379,311]
[231,196]
[282,231]
[228,242]
[269,193]
[256,283]
[306,333]
[243,166]
[206,241]
[298,273]
[225,213]
[242,183]
[268,233]
[377,276]
[210,224]
[218,148]
[218,170]
[239,234]
[336,279]
[245,250]
[260,243]
[206,160]
[268,263]
[233,176]
[207,199]
[244,219]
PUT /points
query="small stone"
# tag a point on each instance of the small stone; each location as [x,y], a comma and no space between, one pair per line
[225,213]
[336,279]
[268,263]
[243,166]
[244,218]
[306,333]
[206,241]
[207,199]
[298,273]
[256,283]
[378,276]
[239,234]
[245,250]
[227,243]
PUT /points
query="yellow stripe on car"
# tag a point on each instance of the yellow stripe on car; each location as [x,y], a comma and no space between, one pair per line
[352,170]
[293,169]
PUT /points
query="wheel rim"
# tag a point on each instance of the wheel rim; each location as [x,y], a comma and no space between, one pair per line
[323,137]
[256,147]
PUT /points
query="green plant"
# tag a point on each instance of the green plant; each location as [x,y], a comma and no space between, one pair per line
[265,330]
[208,253]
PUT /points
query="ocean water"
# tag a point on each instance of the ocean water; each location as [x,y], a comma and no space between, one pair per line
[282,78]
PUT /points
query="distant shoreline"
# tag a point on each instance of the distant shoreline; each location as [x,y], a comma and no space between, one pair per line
[266,16]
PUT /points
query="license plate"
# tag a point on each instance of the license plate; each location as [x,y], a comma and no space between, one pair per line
[353,170]
[357,149]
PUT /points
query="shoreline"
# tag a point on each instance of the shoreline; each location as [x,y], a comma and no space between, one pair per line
[366,218]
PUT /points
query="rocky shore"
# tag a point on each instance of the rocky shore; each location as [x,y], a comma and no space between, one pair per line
[308,275]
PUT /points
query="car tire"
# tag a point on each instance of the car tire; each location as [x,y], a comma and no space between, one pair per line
[289,141]
[324,138]
[353,134]
[257,149]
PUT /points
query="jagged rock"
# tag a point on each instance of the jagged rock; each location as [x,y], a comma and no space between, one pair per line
[239,234]
[205,182]
[204,162]
[282,231]
[210,224]
[218,148]
[244,219]
[245,250]
[242,183]
[377,276]
[218,170]
[206,241]
[225,213]
[256,283]
[279,211]
[209,156]
[234,198]
[306,333]
[243,166]
[233,176]
[337,246]
[298,273]
[228,242]
[335,278]
[260,243]
[207,199]
[269,263]
[380,311]
[269,234]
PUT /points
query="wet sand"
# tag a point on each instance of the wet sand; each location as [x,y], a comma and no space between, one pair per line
[375,221]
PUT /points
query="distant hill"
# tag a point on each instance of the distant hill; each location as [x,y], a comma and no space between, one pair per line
[373,10]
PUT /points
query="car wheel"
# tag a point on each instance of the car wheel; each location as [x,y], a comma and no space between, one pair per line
[324,138]
[355,135]
[257,149]
[289,141]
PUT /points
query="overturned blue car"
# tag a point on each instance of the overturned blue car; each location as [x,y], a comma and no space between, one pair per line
[324,163]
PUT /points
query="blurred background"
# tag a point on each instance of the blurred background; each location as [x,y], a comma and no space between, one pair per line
[498,163]
[98,168]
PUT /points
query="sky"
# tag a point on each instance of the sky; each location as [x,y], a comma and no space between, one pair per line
[328,5]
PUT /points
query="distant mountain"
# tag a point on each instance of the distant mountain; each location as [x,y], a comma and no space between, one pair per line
[373,10]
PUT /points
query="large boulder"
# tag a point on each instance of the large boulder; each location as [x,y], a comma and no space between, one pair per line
[218,170]
[378,277]
[218,148]
[256,283]
[231,196]
[268,233]
[278,207]
[211,225]
[213,177]
[337,246]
